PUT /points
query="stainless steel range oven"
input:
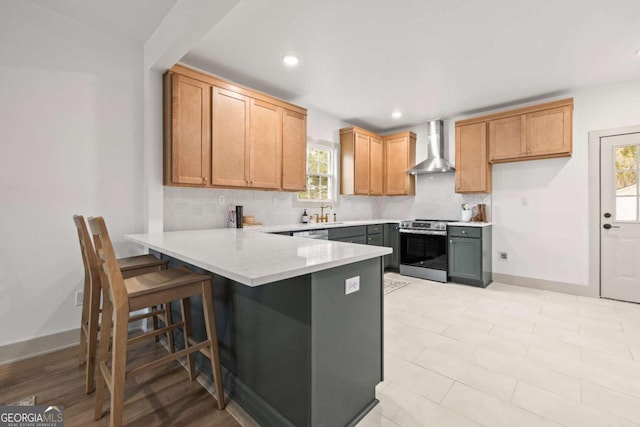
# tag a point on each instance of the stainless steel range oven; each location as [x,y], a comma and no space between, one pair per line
[423,249]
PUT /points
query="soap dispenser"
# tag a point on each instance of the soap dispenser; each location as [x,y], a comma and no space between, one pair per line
[305,217]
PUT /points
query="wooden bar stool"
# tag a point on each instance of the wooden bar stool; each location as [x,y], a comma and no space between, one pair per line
[121,296]
[130,267]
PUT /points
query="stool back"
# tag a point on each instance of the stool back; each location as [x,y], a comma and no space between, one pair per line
[110,273]
[89,259]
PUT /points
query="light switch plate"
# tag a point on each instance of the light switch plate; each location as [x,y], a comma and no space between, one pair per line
[352,285]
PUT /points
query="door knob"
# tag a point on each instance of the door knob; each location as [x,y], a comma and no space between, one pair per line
[607,215]
[608,226]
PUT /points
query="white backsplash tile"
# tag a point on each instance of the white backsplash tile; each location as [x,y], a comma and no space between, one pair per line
[197,208]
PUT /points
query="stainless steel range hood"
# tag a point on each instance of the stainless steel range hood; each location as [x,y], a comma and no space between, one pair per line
[435,162]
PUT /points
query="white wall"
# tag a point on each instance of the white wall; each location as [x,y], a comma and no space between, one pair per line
[548,239]
[71,112]
[198,208]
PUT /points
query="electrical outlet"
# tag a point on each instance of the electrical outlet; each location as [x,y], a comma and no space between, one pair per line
[524,201]
[79,298]
[221,200]
[503,256]
[352,285]
[274,200]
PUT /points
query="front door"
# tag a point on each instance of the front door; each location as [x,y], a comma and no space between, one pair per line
[620,217]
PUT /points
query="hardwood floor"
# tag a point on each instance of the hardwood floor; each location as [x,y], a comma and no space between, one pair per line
[160,397]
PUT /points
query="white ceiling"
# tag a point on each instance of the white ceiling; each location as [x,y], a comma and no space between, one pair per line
[362,59]
[132,19]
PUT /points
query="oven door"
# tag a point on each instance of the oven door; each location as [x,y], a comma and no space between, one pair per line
[423,254]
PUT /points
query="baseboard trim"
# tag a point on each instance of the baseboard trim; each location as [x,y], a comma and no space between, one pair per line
[547,285]
[38,346]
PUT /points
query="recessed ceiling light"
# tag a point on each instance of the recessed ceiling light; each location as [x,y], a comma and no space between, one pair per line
[290,60]
[396,114]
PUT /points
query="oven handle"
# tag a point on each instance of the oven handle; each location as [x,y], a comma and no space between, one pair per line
[431,233]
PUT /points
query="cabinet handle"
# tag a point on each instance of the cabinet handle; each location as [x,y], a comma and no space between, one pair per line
[204,178]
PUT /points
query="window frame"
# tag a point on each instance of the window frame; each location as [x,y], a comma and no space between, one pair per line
[334,151]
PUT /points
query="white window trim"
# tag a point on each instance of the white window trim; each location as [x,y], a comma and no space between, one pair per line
[334,200]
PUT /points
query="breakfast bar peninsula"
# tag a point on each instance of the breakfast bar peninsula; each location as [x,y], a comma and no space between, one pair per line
[299,320]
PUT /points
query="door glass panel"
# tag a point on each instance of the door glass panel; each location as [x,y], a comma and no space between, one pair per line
[626,157]
[626,208]
[626,168]
[626,184]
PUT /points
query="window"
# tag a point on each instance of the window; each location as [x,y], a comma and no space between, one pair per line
[627,196]
[321,173]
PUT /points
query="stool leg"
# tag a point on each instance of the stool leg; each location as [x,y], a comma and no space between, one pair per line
[155,323]
[103,353]
[92,330]
[185,303]
[118,365]
[84,321]
[212,336]
[168,317]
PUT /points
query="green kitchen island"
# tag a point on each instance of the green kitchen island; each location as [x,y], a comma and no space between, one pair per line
[299,321]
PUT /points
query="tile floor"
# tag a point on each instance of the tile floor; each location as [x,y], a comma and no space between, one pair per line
[507,356]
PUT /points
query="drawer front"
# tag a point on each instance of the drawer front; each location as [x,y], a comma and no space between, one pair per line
[475,232]
[339,233]
[354,239]
[375,239]
[374,229]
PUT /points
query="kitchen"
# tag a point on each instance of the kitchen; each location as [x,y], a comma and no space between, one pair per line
[92,146]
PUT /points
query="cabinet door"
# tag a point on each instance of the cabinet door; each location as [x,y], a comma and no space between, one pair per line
[508,138]
[376,167]
[229,141]
[294,151]
[396,156]
[473,172]
[549,132]
[465,258]
[190,131]
[361,166]
[265,145]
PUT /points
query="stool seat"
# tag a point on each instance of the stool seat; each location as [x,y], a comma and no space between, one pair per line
[139,261]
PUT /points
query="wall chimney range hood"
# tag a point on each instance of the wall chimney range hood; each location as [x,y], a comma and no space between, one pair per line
[435,162]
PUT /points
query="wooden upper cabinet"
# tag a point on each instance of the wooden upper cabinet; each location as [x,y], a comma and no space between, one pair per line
[361,165]
[186,131]
[400,155]
[376,166]
[229,159]
[508,138]
[294,151]
[473,171]
[224,135]
[265,145]
[538,132]
[549,132]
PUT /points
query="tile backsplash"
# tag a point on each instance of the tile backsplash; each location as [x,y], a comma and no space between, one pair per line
[199,208]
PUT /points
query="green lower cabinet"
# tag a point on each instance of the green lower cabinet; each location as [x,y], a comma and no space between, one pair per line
[470,255]
[392,240]
[375,239]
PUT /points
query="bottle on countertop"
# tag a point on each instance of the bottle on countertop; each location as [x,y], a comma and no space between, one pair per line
[305,217]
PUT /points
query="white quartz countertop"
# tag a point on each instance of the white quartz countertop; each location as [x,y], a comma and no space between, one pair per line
[470,224]
[252,256]
[320,225]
